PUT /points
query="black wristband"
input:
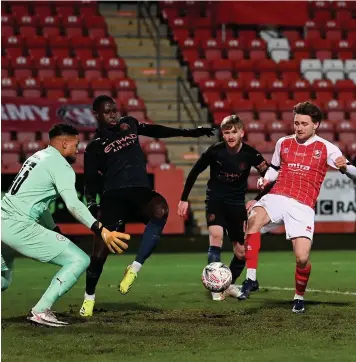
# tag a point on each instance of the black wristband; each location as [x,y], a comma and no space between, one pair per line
[96,229]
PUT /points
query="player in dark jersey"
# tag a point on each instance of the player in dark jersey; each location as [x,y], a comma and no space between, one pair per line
[115,160]
[230,163]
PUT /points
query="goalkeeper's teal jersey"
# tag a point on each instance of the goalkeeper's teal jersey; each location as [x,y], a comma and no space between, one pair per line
[41,179]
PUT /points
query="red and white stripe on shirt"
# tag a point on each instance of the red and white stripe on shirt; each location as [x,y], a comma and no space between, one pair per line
[302,167]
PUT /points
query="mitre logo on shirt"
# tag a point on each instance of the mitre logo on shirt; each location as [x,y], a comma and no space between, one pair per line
[121,143]
[298,166]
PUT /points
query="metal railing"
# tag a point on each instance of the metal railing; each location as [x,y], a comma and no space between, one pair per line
[145,18]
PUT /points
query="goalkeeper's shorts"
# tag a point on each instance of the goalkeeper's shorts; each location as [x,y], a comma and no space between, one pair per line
[32,240]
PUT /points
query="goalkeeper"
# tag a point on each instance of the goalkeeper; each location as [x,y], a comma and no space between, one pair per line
[28,227]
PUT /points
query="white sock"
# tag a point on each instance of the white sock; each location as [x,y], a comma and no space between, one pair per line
[135,266]
[297,296]
[89,297]
[251,274]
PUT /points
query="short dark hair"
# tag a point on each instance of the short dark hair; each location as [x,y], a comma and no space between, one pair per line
[100,99]
[232,121]
[62,129]
[309,109]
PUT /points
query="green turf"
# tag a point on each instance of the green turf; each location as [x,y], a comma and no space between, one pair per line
[168,316]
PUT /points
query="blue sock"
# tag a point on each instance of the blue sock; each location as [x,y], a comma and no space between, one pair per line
[150,239]
[214,254]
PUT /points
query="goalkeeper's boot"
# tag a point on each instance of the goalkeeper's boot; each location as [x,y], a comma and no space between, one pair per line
[46,318]
[248,286]
[87,308]
[298,306]
[128,280]
[218,297]
[232,291]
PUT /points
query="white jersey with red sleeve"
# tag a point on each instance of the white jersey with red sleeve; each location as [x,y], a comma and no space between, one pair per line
[302,167]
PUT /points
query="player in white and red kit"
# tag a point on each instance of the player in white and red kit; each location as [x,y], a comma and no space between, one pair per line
[298,167]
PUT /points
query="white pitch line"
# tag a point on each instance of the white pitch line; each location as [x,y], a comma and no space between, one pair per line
[309,290]
[278,289]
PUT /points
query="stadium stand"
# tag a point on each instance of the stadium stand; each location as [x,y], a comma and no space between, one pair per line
[63,51]
[262,79]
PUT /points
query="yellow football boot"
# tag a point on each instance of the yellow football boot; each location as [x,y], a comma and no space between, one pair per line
[87,308]
[127,281]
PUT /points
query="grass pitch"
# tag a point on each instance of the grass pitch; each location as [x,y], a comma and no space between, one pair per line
[168,315]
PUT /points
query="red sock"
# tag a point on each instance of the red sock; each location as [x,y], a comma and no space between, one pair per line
[301,279]
[252,247]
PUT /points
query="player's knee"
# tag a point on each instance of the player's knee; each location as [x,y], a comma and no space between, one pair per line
[239,251]
[160,208]
[302,260]
[257,219]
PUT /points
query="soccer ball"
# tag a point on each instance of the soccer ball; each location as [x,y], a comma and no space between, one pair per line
[216,277]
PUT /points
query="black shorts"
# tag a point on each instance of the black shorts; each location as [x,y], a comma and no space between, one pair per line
[120,206]
[231,217]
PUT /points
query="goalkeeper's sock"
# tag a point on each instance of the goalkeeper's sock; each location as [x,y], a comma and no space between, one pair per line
[150,239]
[93,274]
[252,248]
[214,254]
[301,280]
[73,261]
[236,266]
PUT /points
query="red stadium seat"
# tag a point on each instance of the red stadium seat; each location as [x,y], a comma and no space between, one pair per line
[243,108]
[235,49]
[69,67]
[257,49]
[212,49]
[23,67]
[25,136]
[301,90]
[96,25]
[105,47]
[125,88]
[323,89]
[256,90]
[347,131]
[73,25]
[115,67]
[42,9]
[13,44]
[79,89]
[277,130]
[7,25]
[135,107]
[267,110]
[327,130]
[93,68]
[222,68]
[233,89]
[10,153]
[82,46]
[335,110]
[286,109]
[9,87]
[220,109]
[200,69]
[101,86]
[31,88]
[65,9]
[46,67]
[345,90]
[278,89]
[55,87]
[27,25]
[255,132]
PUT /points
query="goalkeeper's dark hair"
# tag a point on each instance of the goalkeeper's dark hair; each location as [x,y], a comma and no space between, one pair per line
[309,109]
[100,99]
[62,129]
